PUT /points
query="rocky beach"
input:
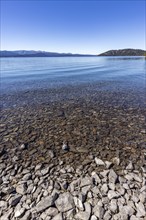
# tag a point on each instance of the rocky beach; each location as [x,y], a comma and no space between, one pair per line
[73,153]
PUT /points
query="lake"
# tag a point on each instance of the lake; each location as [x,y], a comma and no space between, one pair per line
[20,74]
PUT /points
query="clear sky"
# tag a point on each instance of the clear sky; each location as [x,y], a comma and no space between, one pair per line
[72,26]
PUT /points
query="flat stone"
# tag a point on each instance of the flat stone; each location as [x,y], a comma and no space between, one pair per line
[129,166]
[46,203]
[82,216]
[65,202]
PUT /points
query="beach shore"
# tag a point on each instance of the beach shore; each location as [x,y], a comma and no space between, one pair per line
[101,175]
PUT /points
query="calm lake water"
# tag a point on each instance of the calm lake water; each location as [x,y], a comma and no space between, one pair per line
[20,74]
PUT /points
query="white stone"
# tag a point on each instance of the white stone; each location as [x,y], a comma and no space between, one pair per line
[65,202]
[99,162]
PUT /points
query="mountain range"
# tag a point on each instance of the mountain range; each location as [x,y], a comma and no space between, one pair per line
[33,53]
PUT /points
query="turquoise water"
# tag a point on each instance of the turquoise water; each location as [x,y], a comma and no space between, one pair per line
[20,74]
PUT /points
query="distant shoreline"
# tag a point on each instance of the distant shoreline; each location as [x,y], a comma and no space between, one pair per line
[31,53]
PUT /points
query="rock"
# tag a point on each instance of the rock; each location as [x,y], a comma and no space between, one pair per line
[113,195]
[46,203]
[65,147]
[6,216]
[112,176]
[19,213]
[78,204]
[107,215]
[27,177]
[82,216]
[116,161]
[113,206]
[22,147]
[86,181]
[51,211]
[133,217]
[58,217]
[3,204]
[93,217]
[27,216]
[45,171]
[129,166]
[108,164]
[104,189]
[51,153]
[21,188]
[140,210]
[98,211]
[99,162]
[14,200]
[65,202]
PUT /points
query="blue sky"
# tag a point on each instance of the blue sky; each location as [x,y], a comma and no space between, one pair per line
[72,26]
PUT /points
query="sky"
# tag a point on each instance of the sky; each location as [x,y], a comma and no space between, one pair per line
[87,27]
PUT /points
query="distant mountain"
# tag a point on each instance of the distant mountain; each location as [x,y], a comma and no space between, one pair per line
[124,52]
[33,53]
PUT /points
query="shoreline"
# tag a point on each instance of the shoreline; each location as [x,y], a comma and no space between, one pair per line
[97,125]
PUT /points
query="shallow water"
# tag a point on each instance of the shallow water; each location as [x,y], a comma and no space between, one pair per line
[23,74]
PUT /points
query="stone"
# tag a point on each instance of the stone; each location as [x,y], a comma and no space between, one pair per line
[22,147]
[59,216]
[26,216]
[98,211]
[6,216]
[129,166]
[14,200]
[46,203]
[104,189]
[99,162]
[86,181]
[107,215]
[45,171]
[108,164]
[51,211]
[113,195]
[21,188]
[116,161]
[78,204]
[19,213]
[3,204]
[113,206]
[93,217]
[27,176]
[112,176]
[82,216]
[140,210]
[65,202]
[65,147]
